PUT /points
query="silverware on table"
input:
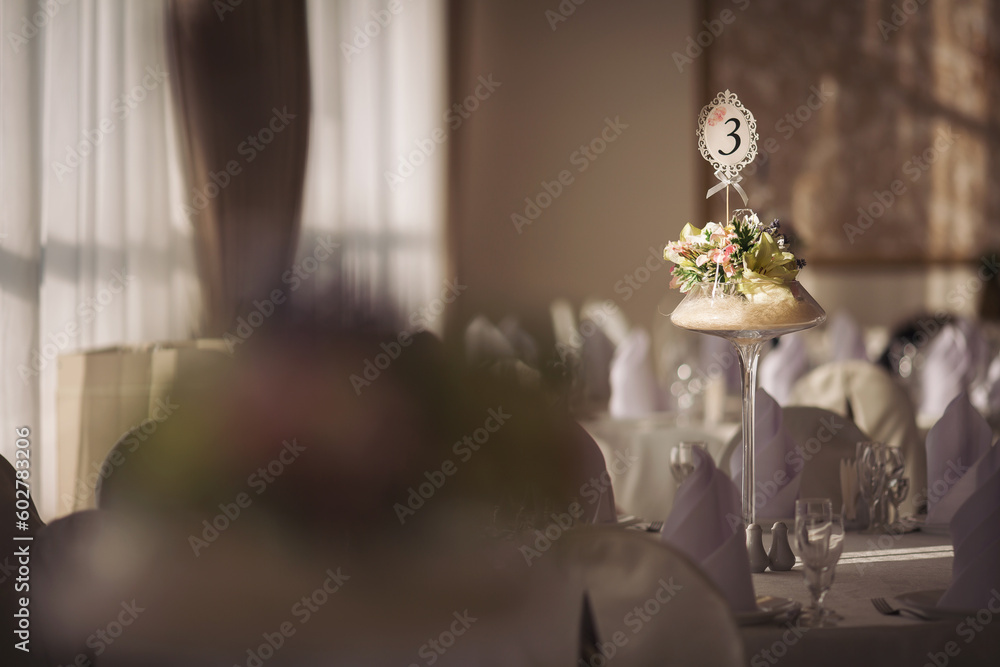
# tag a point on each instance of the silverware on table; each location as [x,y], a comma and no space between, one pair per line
[655,527]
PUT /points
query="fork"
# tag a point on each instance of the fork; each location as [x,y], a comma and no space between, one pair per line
[883,607]
[655,527]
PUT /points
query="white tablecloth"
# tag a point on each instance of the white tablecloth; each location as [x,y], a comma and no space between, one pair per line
[885,567]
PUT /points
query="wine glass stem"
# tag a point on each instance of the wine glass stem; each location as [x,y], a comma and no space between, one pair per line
[817,593]
[749,353]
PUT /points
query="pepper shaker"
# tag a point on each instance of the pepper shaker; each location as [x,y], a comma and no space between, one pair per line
[781,556]
[755,548]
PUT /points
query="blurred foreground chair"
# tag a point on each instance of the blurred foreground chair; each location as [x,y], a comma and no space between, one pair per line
[249,599]
[649,604]
[867,395]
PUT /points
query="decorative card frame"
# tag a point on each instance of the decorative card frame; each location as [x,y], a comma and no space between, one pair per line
[732,109]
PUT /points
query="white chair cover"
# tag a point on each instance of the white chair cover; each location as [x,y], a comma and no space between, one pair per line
[637,453]
[634,390]
[782,367]
[880,408]
[845,340]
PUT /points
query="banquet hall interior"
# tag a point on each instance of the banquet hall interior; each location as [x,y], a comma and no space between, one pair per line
[399,332]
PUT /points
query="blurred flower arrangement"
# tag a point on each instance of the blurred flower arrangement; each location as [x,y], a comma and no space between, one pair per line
[743,251]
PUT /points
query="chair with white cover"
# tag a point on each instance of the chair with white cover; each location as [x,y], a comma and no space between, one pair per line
[637,453]
[880,407]
[649,604]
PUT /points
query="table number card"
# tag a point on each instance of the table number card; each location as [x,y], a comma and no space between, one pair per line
[727,138]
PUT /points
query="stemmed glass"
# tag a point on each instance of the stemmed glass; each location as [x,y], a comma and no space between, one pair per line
[873,459]
[818,541]
[682,459]
[748,314]
[897,486]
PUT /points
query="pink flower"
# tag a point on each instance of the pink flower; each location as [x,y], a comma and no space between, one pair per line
[717,115]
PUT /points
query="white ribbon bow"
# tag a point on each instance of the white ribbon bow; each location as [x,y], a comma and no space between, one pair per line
[724,181]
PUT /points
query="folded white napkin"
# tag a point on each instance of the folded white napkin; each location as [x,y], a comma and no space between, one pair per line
[634,391]
[845,338]
[956,461]
[705,523]
[954,359]
[595,483]
[719,359]
[782,367]
[975,534]
[596,352]
[992,385]
[777,480]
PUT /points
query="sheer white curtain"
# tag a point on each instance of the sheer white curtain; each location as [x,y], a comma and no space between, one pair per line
[97,250]
[376,176]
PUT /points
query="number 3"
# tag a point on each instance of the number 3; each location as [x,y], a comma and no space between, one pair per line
[734,136]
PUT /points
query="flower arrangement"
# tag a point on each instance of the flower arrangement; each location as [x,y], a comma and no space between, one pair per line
[743,251]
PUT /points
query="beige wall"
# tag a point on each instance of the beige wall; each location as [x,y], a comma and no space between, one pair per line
[607,60]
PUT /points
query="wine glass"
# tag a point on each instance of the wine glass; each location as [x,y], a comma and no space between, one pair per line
[873,458]
[682,459]
[819,547]
[825,581]
[748,314]
[898,490]
[897,486]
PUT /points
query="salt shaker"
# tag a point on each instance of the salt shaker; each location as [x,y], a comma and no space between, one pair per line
[781,556]
[755,548]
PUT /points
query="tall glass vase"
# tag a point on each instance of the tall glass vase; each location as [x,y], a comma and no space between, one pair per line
[748,314]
